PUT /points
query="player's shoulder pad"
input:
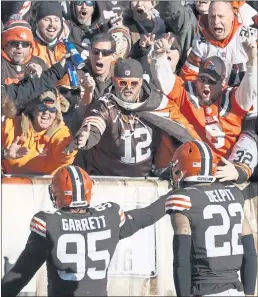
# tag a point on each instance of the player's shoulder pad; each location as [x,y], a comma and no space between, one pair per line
[38,223]
[178,200]
[114,208]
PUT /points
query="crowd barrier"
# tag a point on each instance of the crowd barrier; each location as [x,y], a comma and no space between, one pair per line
[142,264]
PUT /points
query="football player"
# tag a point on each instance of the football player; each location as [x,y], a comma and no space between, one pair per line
[77,241]
[213,240]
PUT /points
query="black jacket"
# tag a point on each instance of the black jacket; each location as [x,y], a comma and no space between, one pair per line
[182,22]
[102,87]
[81,35]
[30,88]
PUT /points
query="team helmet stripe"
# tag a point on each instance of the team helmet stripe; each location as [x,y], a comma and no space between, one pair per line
[206,158]
[77,182]
[81,182]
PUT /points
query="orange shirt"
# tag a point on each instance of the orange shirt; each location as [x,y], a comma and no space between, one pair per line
[51,57]
[45,154]
[224,116]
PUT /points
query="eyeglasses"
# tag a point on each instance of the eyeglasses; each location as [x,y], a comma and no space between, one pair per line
[23,44]
[88,3]
[65,91]
[206,80]
[43,108]
[104,52]
[125,83]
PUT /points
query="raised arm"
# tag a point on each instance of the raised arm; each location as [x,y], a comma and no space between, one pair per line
[161,71]
[247,91]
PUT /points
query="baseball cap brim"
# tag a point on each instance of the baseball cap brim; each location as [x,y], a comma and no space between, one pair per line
[208,76]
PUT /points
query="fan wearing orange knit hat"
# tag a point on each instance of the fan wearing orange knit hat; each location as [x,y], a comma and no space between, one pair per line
[17,42]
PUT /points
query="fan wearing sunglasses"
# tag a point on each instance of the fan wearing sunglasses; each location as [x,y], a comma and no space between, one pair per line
[86,21]
[216,111]
[96,76]
[121,130]
[42,131]
[17,58]
[84,11]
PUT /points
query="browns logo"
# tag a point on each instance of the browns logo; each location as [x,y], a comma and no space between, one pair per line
[209,65]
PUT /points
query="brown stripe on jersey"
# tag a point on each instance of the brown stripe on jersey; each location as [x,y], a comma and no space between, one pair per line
[38,223]
[175,198]
[178,205]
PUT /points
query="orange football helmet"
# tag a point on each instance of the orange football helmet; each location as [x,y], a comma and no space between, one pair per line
[71,187]
[194,161]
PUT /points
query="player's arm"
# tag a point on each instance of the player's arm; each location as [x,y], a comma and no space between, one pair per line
[249,265]
[181,251]
[178,204]
[30,260]
[136,219]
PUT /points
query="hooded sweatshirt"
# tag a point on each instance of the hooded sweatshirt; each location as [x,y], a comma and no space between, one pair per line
[80,34]
[46,148]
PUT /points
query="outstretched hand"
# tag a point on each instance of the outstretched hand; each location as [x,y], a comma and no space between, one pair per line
[250,47]
[227,172]
[16,151]
[147,40]
[164,44]
[80,140]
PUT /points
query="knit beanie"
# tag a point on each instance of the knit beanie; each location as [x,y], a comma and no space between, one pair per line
[47,8]
[50,99]
[17,31]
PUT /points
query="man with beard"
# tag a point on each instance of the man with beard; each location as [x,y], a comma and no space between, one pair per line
[222,36]
[89,18]
[17,58]
[215,110]
[86,21]
[121,131]
[50,30]
[49,27]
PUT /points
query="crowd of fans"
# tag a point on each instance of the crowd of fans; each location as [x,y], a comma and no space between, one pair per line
[156,74]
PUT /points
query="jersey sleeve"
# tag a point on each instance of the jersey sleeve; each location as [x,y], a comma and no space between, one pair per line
[178,201]
[137,219]
[38,224]
[229,103]
[98,117]
[244,155]
[190,70]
